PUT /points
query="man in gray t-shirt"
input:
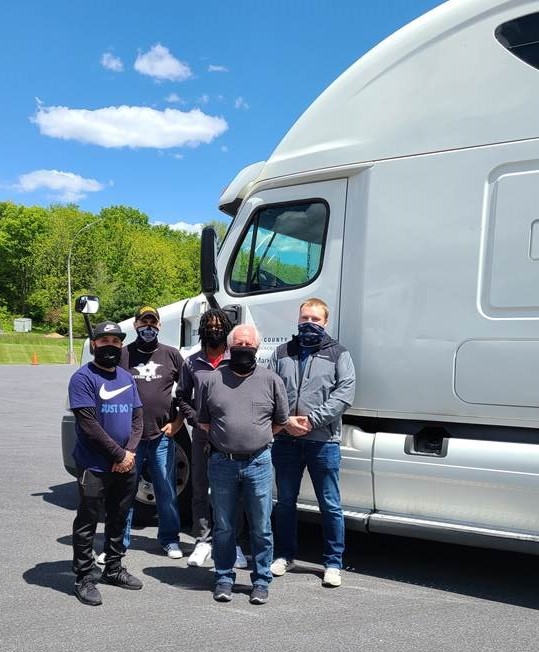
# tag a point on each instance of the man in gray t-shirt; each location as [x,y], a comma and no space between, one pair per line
[241,406]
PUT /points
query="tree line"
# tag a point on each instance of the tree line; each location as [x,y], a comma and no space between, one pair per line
[117,255]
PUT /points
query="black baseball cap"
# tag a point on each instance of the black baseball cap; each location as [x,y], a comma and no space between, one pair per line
[144,311]
[107,328]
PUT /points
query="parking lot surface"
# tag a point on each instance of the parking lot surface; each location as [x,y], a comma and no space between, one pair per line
[397,594]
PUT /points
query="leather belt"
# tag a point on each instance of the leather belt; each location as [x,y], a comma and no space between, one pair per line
[241,456]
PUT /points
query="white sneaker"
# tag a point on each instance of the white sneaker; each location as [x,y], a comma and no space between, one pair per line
[241,561]
[281,565]
[101,559]
[173,551]
[332,577]
[199,555]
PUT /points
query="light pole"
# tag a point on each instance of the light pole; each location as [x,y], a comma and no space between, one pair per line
[70,353]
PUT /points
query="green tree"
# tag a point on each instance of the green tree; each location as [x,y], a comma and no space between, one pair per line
[21,228]
[117,255]
[220,229]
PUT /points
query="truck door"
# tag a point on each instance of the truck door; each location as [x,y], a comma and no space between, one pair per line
[284,247]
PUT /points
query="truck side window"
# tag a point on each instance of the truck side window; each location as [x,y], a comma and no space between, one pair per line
[521,37]
[281,249]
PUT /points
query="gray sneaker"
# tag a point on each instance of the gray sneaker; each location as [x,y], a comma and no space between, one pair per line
[223,592]
[259,595]
[121,578]
[86,591]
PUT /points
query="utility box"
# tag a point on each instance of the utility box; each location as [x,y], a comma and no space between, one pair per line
[22,325]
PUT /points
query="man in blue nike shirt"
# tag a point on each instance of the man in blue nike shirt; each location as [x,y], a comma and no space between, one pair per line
[108,423]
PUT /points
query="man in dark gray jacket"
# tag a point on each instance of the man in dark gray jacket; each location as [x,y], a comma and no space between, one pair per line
[319,377]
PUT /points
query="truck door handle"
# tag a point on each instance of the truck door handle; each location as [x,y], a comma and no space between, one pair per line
[429,442]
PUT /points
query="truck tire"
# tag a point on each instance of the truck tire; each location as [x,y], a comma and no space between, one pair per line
[145,512]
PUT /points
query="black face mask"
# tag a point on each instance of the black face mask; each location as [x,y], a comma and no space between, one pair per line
[147,338]
[310,334]
[214,337]
[242,359]
[107,356]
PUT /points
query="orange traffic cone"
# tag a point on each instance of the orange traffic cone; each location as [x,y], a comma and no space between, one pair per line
[34,358]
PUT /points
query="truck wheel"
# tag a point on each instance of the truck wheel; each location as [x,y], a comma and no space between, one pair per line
[145,510]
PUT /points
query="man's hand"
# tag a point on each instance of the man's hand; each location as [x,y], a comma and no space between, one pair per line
[126,464]
[298,426]
[172,427]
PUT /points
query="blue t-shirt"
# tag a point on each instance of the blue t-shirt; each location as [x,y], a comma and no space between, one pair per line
[114,396]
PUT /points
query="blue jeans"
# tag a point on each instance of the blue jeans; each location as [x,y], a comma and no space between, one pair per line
[160,457]
[322,459]
[250,480]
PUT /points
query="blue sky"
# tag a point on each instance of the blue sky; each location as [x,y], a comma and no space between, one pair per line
[157,105]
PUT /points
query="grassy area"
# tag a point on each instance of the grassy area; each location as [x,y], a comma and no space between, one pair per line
[19,348]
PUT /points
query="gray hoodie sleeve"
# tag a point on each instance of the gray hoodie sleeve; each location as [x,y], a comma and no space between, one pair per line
[272,364]
[340,397]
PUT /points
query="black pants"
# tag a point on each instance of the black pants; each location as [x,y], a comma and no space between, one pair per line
[114,492]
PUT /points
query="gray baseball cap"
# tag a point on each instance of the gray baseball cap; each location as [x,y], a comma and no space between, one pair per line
[107,328]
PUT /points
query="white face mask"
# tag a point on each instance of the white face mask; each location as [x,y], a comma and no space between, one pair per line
[148,334]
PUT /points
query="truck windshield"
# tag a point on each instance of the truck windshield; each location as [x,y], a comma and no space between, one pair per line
[281,249]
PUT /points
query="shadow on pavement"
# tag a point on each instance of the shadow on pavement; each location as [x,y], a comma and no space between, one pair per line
[61,495]
[498,576]
[56,575]
[189,578]
[196,578]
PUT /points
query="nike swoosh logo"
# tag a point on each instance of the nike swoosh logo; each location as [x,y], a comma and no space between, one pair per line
[106,396]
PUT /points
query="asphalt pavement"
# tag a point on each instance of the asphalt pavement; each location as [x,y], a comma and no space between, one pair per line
[397,594]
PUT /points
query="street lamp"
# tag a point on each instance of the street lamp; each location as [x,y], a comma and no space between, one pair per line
[71,354]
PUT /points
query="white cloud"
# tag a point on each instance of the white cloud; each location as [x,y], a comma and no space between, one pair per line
[66,186]
[240,103]
[174,98]
[212,68]
[160,64]
[177,156]
[203,99]
[110,62]
[224,148]
[184,226]
[129,126]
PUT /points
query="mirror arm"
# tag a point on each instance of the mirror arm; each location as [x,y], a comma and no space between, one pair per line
[89,328]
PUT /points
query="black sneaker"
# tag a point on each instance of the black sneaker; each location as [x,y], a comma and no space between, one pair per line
[86,591]
[259,595]
[223,592]
[121,578]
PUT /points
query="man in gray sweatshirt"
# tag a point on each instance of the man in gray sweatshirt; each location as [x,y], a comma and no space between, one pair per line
[319,377]
[241,406]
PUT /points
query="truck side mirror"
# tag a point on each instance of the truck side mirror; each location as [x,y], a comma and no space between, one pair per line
[87,305]
[208,257]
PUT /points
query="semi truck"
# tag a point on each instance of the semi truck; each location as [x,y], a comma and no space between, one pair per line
[407,198]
